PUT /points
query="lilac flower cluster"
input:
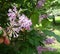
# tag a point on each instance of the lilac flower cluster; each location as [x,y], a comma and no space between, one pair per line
[41,49]
[49,41]
[17,21]
[40,3]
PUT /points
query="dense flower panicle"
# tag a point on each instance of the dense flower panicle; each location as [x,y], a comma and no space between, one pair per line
[25,22]
[17,21]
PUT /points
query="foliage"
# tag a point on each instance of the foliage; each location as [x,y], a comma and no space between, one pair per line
[28,40]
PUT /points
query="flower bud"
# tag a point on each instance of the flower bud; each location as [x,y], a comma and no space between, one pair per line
[6,41]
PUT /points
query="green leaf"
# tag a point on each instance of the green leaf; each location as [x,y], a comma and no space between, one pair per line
[45,23]
[29,50]
[1,32]
[35,18]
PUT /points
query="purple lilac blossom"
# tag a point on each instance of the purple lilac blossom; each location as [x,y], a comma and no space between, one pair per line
[11,16]
[16,24]
[39,49]
[49,40]
[40,3]
[25,22]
